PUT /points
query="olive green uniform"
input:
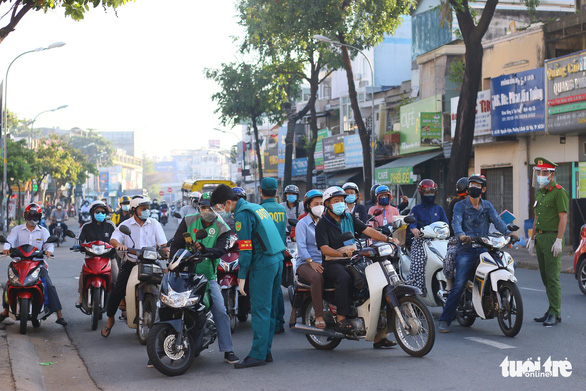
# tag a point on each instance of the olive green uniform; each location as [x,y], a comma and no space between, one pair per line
[550,201]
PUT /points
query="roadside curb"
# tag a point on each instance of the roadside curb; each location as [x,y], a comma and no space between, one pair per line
[22,354]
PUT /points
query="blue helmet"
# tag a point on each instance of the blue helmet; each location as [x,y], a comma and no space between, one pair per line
[239,192]
[311,195]
[381,189]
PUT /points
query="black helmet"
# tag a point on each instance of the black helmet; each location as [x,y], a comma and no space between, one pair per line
[462,185]
[478,179]
[291,189]
[373,190]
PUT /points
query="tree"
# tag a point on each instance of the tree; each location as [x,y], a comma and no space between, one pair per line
[92,144]
[18,168]
[248,93]
[151,178]
[73,8]
[472,33]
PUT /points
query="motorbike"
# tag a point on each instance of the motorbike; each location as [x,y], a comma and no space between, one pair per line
[58,232]
[85,218]
[155,214]
[186,326]
[25,290]
[435,247]
[290,256]
[493,292]
[164,218]
[380,303]
[96,275]
[142,288]
[237,306]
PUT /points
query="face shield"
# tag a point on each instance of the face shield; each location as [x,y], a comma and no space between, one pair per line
[539,174]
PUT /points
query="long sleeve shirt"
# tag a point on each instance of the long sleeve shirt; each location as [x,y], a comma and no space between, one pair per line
[306,244]
[427,214]
[468,220]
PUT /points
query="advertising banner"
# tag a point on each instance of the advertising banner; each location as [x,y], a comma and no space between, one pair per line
[565,87]
[518,103]
[353,151]
[394,176]
[582,179]
[299,167]
[104,181]
[319,150]
[431,128]
[334,157]
[271,161]
[411,124]
[281,146]
[482,121]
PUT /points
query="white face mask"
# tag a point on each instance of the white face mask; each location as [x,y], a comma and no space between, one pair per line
[318,210]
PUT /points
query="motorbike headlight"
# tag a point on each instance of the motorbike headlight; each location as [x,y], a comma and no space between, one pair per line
[32,278]
[442,232]
[13,278]
[385,251]
[149,254]
[98,250]
[178,299]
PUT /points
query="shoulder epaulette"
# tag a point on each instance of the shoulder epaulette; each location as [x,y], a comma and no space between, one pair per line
[558,186]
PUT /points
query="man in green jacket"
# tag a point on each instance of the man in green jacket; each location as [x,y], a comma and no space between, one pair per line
[261,252]
[268,190]
[213,247]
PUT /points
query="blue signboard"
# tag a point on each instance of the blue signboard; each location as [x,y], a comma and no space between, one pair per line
[299,167]
[518,103]
[281,151]
[105,180]
[353,151]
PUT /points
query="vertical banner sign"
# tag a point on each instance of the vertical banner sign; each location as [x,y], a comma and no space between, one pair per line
[518,103]
[582,179]
[482,121]
[411,124]
[281,147]
[334,153]
[431,128]
[105,181]
[299,167]
[319,150]
[352,151]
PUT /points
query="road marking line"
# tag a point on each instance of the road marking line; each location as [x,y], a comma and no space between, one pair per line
[491,343]
[531,289]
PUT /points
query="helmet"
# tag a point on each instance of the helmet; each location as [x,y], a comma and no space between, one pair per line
[239,192]
[333,191]
[291,189]
[426,184]
[163,202]
[206,199]
[96,205]
[478,179]
[195,196]
[462,185]
[154,200]
[372,191]
[124,200]
[351,185]
[59,204]
[381,190]
[311,195]
[139,201]
[33,212]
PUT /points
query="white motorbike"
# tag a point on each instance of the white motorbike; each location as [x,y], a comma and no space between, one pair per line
[494,292]
[155,214]
[435,247]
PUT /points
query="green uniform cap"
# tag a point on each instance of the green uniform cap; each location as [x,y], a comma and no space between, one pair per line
[269,184]
[542,163]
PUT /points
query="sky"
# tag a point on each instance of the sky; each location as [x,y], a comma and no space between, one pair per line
[140,70]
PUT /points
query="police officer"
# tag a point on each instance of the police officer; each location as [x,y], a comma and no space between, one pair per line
[268,190]
[549,226]
[261,252]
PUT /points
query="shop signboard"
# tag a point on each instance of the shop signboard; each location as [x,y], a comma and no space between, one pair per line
[334,157]
[411,134]
[482,121]
[518,103]
[565,89]
[431,128]
[105,180]
[271,160]
[353,151]
[394,176]
[299,167]
[319,150]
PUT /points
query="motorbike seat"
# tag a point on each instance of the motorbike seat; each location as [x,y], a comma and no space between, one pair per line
[303,285]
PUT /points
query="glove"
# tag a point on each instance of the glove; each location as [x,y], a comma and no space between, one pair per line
[556,249]
[531,247]
[241,283]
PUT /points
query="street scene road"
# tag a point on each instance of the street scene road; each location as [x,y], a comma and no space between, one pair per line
[467,358]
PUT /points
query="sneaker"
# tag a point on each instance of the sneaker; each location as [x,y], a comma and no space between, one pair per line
[61,321]
[150,364]
[230,358]
[444,327]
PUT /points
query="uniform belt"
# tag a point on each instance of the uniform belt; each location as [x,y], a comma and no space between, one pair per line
[546,232]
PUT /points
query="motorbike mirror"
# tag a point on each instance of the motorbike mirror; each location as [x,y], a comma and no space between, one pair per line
[409,219]
[347,236]
[52,239]
[69,233]
[124,229]
[405,212]
[178,215]
[377,212]
[292,222]
[3,239]
[397,224]
[201,234]
[512,227]
[386,229]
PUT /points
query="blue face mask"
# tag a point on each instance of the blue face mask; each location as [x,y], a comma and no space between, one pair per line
[224,215]
[350,198]
[338,208]
[384,201]
[291,198]
[126,208]
[100,217]
[145,214]
[543,180]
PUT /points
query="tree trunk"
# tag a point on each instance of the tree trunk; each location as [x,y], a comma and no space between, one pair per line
[291,123]
[364,136]
[258,157]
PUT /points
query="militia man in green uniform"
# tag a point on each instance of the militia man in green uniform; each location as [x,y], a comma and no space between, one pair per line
[261,252]
[549,226]
[268,190]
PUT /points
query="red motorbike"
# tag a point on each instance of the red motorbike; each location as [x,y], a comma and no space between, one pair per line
[25,291]
[96,278]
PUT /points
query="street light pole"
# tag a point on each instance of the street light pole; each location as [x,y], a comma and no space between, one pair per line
[331,42]
[4,211]
[43,112]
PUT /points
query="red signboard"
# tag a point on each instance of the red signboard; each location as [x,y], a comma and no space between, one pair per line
[170,190]
[161,193]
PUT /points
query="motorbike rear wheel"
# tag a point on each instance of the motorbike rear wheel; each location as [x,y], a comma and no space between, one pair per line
[24,308]
[163,353]
[419,336]
[317,341]
[96,301]
[510,314]
[149,310]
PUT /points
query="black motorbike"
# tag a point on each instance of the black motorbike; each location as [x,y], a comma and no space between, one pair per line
[185,325]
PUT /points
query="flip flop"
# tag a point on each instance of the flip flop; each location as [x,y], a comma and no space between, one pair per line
[78,305]
[320,324]
[108,330]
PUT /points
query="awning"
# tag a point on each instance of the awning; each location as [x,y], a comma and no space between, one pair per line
[400,171]
[411,161]
[349,175]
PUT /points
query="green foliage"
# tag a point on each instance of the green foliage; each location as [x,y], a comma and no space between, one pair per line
[91,144]
[18,169]
[456,72]
[532,8]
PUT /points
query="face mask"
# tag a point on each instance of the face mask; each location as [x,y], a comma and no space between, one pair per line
[224,215]
[384,201]
[338,208]
[126,208]
[291,198]
[100,217]
[317,211]
[33,223]
[429,199]
[543,180]
[208,216]
[350,198]
[59,207]
[474,192]
[145,214]
[194,203]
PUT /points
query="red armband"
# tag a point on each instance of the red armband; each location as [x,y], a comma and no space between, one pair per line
[244,245]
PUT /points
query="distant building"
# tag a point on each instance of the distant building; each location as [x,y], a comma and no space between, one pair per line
[127,141]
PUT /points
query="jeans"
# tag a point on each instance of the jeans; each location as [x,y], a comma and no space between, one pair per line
[465,261]
[220,317]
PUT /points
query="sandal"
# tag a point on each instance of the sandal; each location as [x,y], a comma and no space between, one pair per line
[320,324]
[384,343]
[107,331]
[78,304]
[345,326]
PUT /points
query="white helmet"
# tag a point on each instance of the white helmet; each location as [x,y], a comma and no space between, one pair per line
[351,185]
[97,204]
[333,191]
[139,200]
[195,196]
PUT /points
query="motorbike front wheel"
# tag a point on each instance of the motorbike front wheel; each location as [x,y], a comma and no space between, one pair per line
[149,309]
[418,337]
[229,302]
[24,308]
[164,354]
[317,341]
[95,315]
[465,318]
[510,314]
